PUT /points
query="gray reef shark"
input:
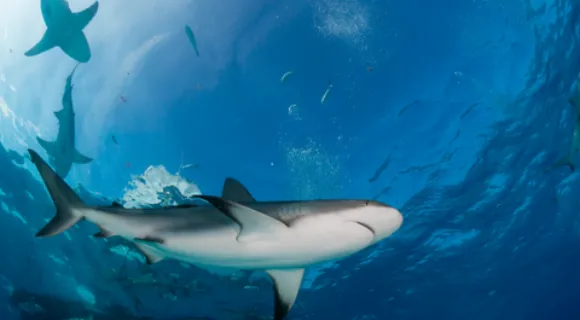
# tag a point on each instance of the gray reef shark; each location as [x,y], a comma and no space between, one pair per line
[281,238]
[568,159]
[62,152]
[64,29]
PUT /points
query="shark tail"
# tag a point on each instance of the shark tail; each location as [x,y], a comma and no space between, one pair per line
[565,162]
[68,204]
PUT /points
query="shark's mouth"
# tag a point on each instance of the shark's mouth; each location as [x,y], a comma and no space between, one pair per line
[366,226]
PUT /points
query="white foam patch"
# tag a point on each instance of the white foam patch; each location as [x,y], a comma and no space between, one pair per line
[146,189]
[15,132]
[345,19]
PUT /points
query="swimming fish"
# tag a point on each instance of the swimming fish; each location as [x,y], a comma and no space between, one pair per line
[191,38]
[234,230]
[285,76]
[325,95]
[62,152]
[64,29]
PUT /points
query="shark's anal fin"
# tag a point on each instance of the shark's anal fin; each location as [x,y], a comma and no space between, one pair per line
[82,18]
[286,286]
[82,159]
[49,146]
[235,191]
[150,256]
[103,233]
[252,222]
[45,44]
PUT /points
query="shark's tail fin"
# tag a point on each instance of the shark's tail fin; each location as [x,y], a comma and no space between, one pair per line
[566,161]
[66,201]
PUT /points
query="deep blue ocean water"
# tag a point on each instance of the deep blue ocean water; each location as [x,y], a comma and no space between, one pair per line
[453,111]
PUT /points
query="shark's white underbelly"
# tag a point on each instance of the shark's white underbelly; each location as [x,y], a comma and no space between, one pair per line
[311,241]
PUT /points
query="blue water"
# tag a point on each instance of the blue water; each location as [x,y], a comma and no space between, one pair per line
[451,111]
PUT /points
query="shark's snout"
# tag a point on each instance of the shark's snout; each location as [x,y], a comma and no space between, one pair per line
[381,218]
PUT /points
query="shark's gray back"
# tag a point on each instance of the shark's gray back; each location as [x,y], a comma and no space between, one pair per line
[290,211]
[206,217]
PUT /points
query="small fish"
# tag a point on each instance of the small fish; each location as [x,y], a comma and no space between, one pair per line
[404,109]
[123,99]
[325,95]
[197,87]
[285,76]
[189,165]
[114,140]
[468,110]
[369,69]
[191,38]
[128,164]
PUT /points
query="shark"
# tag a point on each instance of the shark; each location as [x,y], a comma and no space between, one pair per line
[568,159]
[62,152]
[233,230]
[64,29]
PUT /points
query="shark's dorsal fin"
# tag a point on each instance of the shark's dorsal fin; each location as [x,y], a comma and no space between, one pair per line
[235,191]
[252,222]
[286,286]
[59,113]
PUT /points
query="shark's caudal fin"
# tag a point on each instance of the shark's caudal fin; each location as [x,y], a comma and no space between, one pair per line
[75,44]
[66,201]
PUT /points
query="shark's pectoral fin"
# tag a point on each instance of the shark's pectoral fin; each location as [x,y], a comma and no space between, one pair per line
[82,159]
[252,222]
[45,44]
[150,256]
[77,47]
[286,286]
[235,191]
[49,146]
[83,18]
